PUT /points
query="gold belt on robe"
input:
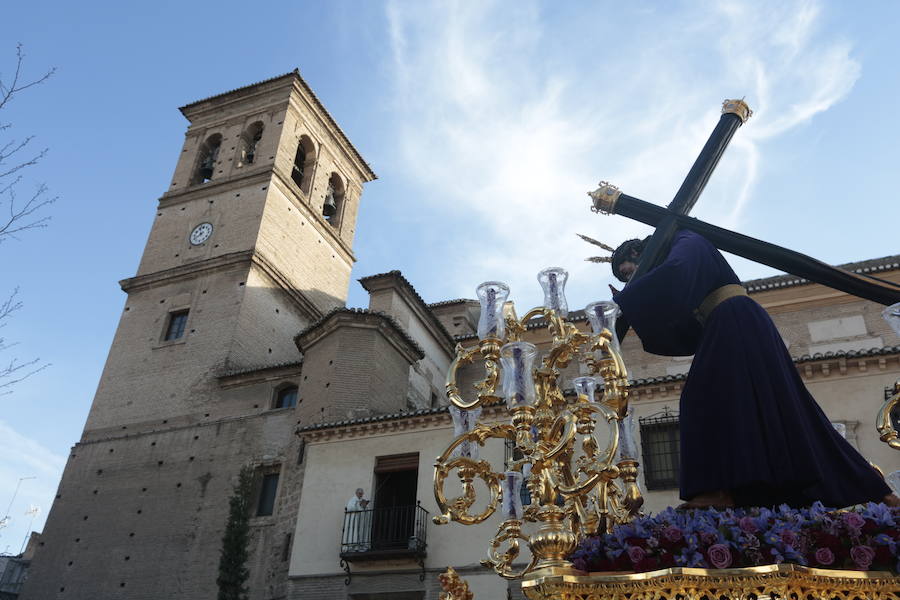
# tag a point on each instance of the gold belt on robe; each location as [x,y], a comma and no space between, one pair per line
[715,298]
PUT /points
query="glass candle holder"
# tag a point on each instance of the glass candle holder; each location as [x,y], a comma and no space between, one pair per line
[492,295]
[553,281]
[511,505]
[602,315]
[464,421]
[517,362]
[891,314]
[585,386]
[627,444]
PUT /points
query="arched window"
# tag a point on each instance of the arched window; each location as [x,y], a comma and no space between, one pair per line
[334,200]
[207,157]
[304,159]
[249,142]
[285,396]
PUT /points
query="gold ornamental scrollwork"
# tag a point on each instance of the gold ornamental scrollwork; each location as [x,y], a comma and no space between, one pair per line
[883,422]
[737,107]
[604,198]
[578,485]
[770,581]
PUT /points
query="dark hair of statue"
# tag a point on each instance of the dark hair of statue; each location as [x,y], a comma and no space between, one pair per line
[627,251]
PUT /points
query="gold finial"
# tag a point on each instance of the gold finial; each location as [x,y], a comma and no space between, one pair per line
[737,107]
[454,586]
[605,198]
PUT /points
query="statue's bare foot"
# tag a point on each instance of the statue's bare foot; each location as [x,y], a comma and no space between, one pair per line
[719,499]
[892,500]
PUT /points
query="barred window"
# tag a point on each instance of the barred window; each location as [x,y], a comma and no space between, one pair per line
[660,443]
[177,323]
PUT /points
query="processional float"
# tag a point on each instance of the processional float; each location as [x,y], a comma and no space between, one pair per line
[578,486]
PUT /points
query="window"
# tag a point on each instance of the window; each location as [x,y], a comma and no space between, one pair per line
[267,489]
[660,440]
[177,323]
[299,166]
[209,154]
[301,173]
[286,397]
[334,199]
[249,142]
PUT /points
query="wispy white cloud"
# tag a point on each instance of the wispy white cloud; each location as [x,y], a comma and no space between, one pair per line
[510,115]
[22,457]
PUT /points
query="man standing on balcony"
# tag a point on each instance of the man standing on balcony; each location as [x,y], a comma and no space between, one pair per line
[359,523]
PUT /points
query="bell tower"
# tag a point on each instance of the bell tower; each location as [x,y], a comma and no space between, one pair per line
[252,240]
[251,243]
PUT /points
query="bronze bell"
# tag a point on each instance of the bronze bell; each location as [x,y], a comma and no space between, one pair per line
[329,208]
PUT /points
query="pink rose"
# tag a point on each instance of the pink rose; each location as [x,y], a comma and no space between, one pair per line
[748,525]
[719,556]
[636,554]
[862,556]
[789,538]
[853,520]
[672,533]
[824,556]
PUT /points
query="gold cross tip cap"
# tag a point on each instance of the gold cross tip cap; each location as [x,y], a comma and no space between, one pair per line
[737,107]
[604,198]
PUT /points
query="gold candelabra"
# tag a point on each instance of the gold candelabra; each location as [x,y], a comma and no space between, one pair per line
[578,486]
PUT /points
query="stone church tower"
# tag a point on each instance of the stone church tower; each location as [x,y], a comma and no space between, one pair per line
[251,244]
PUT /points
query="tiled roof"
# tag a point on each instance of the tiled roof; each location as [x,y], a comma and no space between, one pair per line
[312,94]
[405,282]
[454,301]
[362,311]
[376,418]
[260,369]
[865,267]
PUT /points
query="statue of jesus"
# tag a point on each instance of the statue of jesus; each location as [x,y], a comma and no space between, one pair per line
[751,433]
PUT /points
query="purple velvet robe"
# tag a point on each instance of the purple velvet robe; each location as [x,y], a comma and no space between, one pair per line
[748,423]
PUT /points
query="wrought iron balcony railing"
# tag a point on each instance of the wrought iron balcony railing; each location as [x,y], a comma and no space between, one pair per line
[392,531]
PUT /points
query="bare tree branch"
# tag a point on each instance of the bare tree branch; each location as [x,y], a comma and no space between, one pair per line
[14,371]
[17,216]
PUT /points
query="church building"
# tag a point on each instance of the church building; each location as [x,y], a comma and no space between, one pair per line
[235,348]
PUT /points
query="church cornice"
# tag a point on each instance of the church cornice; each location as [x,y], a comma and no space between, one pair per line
[258,176]
[186,271]
[221,263]
[359,317]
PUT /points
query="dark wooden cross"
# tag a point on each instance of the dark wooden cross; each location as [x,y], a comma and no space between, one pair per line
[608,199]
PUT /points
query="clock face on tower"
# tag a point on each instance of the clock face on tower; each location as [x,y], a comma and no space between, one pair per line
[201,233]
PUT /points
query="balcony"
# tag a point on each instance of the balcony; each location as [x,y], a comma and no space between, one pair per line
[392,532]
[380,533]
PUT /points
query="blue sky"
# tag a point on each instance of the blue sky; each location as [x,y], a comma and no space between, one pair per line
[486,122]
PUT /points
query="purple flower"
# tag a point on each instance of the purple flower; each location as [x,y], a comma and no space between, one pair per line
[862,556]
[854,521]
[636,554]
[709,538]
[789,537]
[748,525]
[824,556]
[719,556]
[672,533]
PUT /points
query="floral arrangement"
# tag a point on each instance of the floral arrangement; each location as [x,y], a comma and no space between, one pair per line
[865,538]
